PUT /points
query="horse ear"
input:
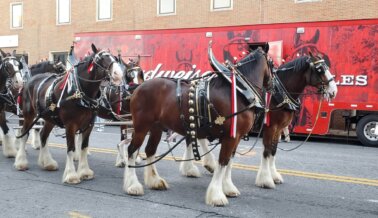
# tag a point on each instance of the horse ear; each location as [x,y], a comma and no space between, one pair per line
[3,54]
[310,53]
[14,53]
[138,60]
[94,49]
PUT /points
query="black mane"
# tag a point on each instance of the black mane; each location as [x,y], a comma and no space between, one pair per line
[298,65]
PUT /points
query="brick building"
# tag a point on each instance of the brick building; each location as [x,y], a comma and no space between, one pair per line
[44,28]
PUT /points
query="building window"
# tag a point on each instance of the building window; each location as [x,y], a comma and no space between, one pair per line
[104,10]
[63,11]
[16,15]
[59,56]
[304,1]
[218,5]
[166,7]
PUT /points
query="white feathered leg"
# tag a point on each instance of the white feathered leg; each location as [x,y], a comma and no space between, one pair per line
[229,189]
[277,178]
[152,178]
[36,139]
[84,171]
[78,141]
[214,194]
[9,149]
[208,160]
[70,175]
[187,168]
[264,177]
[45,161]
[21,162]
[120,161]
[131,184]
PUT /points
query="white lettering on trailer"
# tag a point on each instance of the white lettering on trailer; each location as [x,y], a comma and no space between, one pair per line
[353,105]
[350,80]
[369,106]
[172,73]
[331,104]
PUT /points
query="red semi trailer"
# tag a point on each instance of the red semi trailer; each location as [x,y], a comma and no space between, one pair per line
[350,49]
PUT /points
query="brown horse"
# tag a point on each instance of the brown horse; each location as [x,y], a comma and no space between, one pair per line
[169,104]
[69,102]
[291,80]
[10,78]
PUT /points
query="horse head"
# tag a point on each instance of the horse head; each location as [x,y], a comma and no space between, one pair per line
[11,68]
[134,73]
[106,65]
[59,67]
[320,76]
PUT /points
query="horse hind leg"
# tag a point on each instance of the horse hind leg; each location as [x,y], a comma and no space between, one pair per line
[21,162]
[187,168]
[84,171]
[45,160]
[151,175]
[221,183]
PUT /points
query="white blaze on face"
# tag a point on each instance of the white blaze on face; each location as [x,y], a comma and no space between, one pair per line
[332,87]
[135,74]
[17,78]
[116,73]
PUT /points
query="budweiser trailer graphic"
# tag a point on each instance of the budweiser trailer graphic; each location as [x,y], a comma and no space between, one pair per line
[350,48]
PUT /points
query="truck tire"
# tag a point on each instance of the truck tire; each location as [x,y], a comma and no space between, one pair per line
[365,130]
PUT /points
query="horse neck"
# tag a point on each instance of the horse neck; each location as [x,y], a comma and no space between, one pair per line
[92,88]
[3,80]
[294,83]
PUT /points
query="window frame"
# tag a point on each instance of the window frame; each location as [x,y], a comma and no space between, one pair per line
[98,19]
[52,53]
[212,6]
[306,1]
[69,13]
[166,14]
[11,15]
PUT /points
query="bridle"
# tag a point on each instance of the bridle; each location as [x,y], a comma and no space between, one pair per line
[318,68]
[10,76]
[95,61]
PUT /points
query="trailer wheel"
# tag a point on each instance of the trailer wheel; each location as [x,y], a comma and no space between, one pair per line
[366,132]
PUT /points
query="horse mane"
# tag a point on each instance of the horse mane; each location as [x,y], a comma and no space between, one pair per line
[40,65]
[298,65]
[244,65]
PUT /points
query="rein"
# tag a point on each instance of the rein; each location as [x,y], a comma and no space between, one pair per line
[312,129]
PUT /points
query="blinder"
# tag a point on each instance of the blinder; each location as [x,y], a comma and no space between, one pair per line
[319,68]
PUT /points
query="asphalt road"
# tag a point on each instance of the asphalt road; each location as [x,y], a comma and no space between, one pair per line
[322,179]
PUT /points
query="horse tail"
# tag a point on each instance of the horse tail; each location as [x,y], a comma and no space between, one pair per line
[29,127]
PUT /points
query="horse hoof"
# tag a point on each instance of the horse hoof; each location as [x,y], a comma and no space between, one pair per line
[266,185]
[51,167]
[136,190]
[21,167]
[159,184]
[217,202]
[232,193]
[72,179]
[10,153]
[190,171]
[87,175]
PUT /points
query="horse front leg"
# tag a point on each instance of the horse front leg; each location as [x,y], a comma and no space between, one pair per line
[70,175]
[276,176]
[131,184]
[8,142]
[151,175]
[264,177]
[221,184]
[36,139]
[187,167]
[84,171]
[45,161]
